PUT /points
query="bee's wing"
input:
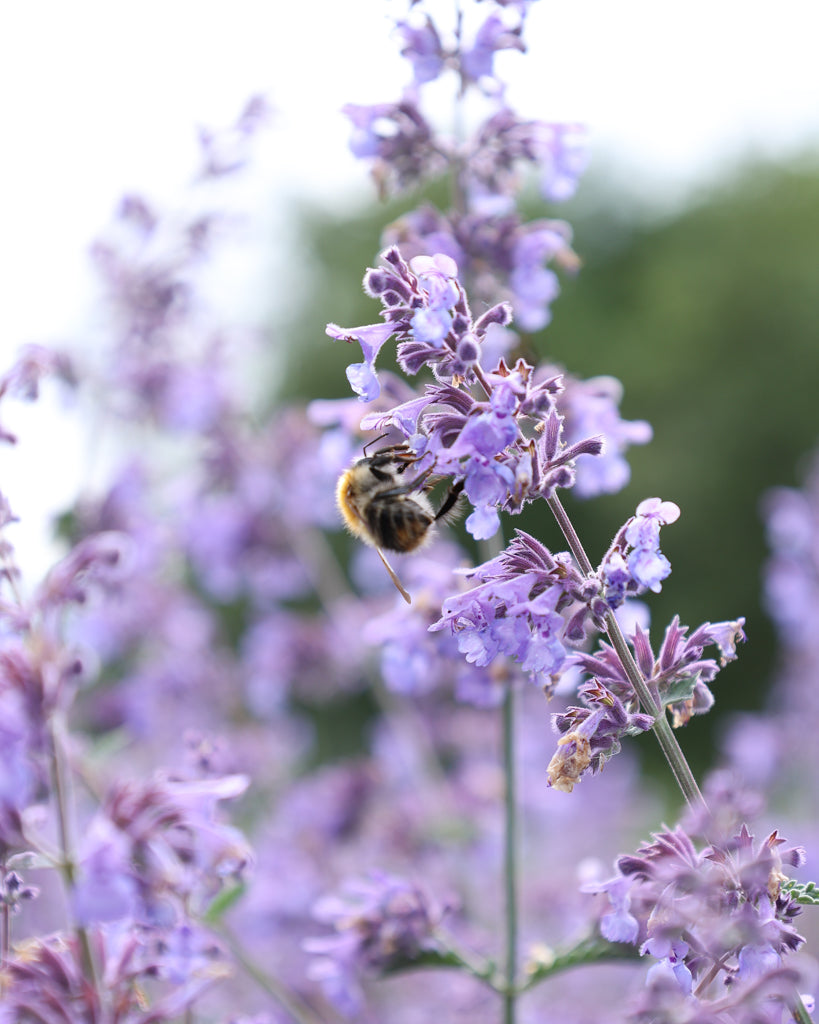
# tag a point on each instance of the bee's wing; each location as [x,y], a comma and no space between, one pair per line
[394,577]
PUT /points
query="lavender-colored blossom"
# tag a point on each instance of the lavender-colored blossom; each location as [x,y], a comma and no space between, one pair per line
[14,892]
[184,851]
[416,661]
[22,380]
[591,407]
[22,767]
[106,887]
[422,47]
[504,256]
[679,675]
[50,982]
[362,376]
[634,562]
[647,564]
[397,137]
[563,157]
[715,916]
[228,150]
[515,610]
[477,62]
[380,923]
[590,735]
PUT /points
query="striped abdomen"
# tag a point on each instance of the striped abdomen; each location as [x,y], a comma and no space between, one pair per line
[400,523]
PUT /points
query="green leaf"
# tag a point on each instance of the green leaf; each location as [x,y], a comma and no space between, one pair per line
[680,690]
[802,892]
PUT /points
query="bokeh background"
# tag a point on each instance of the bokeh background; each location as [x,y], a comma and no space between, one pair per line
[698,226]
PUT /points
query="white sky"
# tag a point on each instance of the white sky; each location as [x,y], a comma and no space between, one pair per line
[98,97]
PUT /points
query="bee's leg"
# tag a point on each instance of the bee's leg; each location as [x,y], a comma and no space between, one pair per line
[450,500]
[394,453]
[394,577]
[407,488]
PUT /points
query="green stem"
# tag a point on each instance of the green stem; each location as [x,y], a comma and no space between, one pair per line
[800,1011]
[67,862]
[661,728]
[289,1001]
[510,855]
[5,923]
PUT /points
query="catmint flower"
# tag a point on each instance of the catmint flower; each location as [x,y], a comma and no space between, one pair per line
[590,407]
[22,380]
[646,562]
[22,745]
[425,308]
[417,661]
[13,891]
[397,137]
[515,610]
[634,562]
[562,154]
[175,837]
[533,285]
[381,923]
[591,734]
[422,47]
[678,676]
[362,376]
[227,150]
[106,888]
[715,916]
[477,62]
[503,142]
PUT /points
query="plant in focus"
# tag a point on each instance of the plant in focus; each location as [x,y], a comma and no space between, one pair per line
[200,646]
[508,433]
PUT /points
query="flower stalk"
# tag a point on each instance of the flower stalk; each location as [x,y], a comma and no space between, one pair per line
[511,855]
[677,762]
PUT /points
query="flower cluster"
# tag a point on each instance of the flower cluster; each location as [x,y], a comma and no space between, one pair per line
[714,917]
[201,647]
[679,675]
[508,448]
[534,606]
[381,923]
[502,255]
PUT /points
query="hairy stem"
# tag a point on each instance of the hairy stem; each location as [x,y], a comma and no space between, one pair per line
[661,728]
[510,855]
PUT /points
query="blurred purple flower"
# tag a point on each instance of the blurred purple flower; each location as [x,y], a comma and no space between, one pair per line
[477,62]
[397,137]
[381,923]
[422,47]
[706,912]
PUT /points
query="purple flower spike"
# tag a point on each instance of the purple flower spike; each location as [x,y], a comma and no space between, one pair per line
[714,917]
[590,735]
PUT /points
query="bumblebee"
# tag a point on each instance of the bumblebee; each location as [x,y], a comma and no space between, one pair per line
[390,510]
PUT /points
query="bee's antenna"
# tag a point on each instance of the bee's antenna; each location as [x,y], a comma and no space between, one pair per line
[375,440]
